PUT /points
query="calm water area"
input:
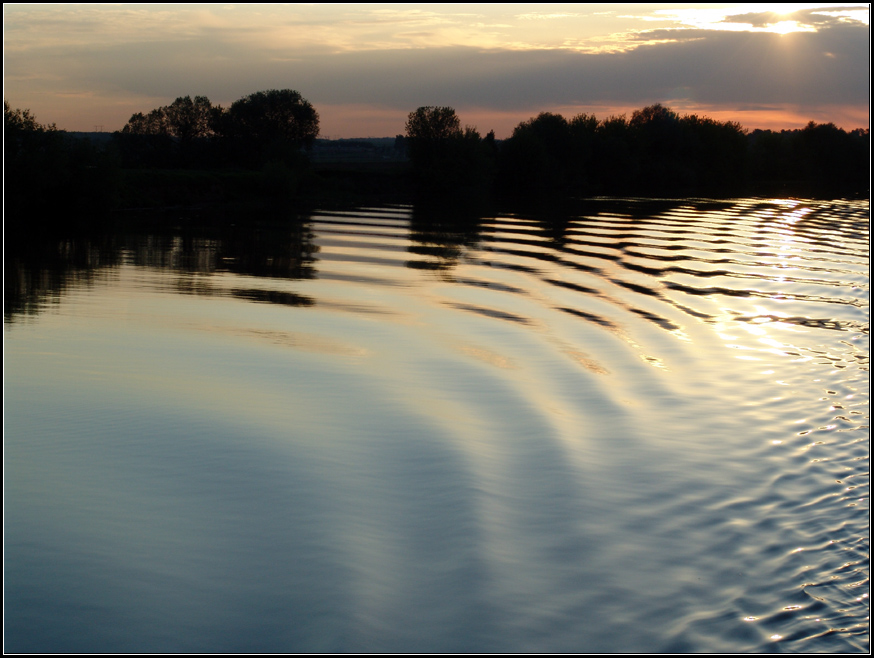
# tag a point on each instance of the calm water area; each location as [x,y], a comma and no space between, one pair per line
[643,427]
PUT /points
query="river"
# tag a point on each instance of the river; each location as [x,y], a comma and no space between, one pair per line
[642,427]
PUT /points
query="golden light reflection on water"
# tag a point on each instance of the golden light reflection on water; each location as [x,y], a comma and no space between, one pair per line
[487,356]
[587,362]
[548,439]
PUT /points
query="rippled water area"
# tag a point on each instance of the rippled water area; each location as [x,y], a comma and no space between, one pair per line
[642,427]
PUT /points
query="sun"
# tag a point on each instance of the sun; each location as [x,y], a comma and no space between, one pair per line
[788,27]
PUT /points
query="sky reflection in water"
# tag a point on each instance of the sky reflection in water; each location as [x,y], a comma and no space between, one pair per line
[643,428]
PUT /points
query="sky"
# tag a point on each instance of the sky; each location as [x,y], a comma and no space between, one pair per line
[365,67]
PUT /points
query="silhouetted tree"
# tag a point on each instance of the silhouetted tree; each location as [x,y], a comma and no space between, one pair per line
[52,182]
[617,168]
[184,119]
[22,133]
[190,119]
[429,131]
[153,123]
[712,156]
[22,120]
[445,158]
[656,137]
[824,151]
[536,159]
[433,124]
[820,159]
[267,126]
[167,136]
[276,114]
[583,174]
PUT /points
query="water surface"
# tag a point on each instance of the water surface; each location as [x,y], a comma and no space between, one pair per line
[642,427]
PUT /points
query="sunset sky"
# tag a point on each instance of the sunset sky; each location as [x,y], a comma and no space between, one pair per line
[365,67]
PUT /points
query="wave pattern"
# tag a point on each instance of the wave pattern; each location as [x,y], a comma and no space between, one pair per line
[756,314]
[640,428]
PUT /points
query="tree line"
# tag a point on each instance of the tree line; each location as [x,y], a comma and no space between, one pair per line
[190,150]
[257,148]
[272,125]
[49,177]
[656,152]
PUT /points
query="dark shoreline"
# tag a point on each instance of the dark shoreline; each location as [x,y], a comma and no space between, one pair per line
[66,183]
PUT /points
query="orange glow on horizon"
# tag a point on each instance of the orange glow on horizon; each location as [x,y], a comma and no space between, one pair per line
[344,121]
[361,120]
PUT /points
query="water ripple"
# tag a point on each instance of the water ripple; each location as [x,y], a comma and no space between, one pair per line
[638,428]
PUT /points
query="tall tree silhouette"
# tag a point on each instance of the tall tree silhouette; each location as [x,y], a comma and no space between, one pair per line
[276,114]
[536,158]
[446,159]
[429,132]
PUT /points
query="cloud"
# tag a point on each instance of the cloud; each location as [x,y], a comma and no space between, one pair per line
[714,67]
[760,19]
[205,53]
[818,18]
[723,67]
